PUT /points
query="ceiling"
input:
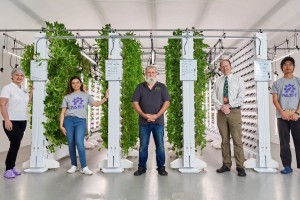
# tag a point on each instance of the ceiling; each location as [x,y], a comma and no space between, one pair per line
[219,15]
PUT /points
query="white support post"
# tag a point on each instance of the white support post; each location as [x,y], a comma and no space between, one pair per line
[264,163]
[189,163]
[114,73]
[38,159]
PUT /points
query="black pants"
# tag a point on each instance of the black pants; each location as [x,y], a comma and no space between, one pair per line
[15,136]
[284,129]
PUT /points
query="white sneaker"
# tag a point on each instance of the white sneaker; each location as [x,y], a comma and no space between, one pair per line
[86,171]
[72,169]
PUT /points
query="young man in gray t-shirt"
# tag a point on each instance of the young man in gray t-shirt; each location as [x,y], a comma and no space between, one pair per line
[286,98]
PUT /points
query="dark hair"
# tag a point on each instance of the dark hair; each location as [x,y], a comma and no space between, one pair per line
[225,60]
[70,89]
[287,59]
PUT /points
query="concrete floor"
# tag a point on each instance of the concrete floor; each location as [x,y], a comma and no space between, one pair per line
[207,185]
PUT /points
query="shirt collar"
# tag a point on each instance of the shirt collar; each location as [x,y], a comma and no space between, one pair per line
[228,76]
[15,85]
[146,85]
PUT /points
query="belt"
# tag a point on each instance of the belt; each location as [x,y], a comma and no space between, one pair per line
[235,108]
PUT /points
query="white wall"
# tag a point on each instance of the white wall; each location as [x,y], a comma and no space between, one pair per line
[5,78]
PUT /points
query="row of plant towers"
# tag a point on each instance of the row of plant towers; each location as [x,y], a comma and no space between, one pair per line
[66,61]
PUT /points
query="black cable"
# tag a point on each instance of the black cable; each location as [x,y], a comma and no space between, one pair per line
[10,62]
[2,69]
[113,46]
[185,45]
[259,45]
[16,63]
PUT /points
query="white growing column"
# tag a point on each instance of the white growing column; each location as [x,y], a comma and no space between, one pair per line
[209,106]
[188,72]
[114,73]
[38,71]
[264,162]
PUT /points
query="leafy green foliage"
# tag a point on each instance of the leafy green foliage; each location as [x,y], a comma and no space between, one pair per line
[174,85]
[200,88]
[132,76]
[103,46]
[64,62]
[27,56]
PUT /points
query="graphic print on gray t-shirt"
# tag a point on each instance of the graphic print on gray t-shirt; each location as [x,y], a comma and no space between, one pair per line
[287,91]
[76,104]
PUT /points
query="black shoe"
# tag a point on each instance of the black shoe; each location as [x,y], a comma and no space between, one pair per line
[223,169]
[241,171]
[140,171]
[162,171]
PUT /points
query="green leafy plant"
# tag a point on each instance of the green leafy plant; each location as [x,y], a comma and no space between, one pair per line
[174,85]
[27,56]
[200,88]
[103,53]
[65,61]
[132,76]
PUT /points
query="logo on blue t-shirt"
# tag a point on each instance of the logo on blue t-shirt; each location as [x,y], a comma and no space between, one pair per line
[289,91]
[77,103]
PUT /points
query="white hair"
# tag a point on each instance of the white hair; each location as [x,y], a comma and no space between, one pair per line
[17,70]
[151,67]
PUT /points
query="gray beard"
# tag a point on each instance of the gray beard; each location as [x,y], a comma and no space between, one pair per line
[151,80]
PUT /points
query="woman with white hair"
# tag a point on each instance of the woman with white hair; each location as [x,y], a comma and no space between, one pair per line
[14,101]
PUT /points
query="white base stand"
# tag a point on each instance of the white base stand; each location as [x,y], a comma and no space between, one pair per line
[250,163]
[124,164]
[88,145]
[36,170]
[272,166]
[169,146]
[96,136]
[50,164]
[216,144]
[178,163]
[265,170]
[112,170]
[172,154]
[60,152]
[94,142]
[208,138]
[133,153]
[190,170]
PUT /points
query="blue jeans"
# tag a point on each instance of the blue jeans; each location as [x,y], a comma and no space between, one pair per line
[76,129]
[158,135]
